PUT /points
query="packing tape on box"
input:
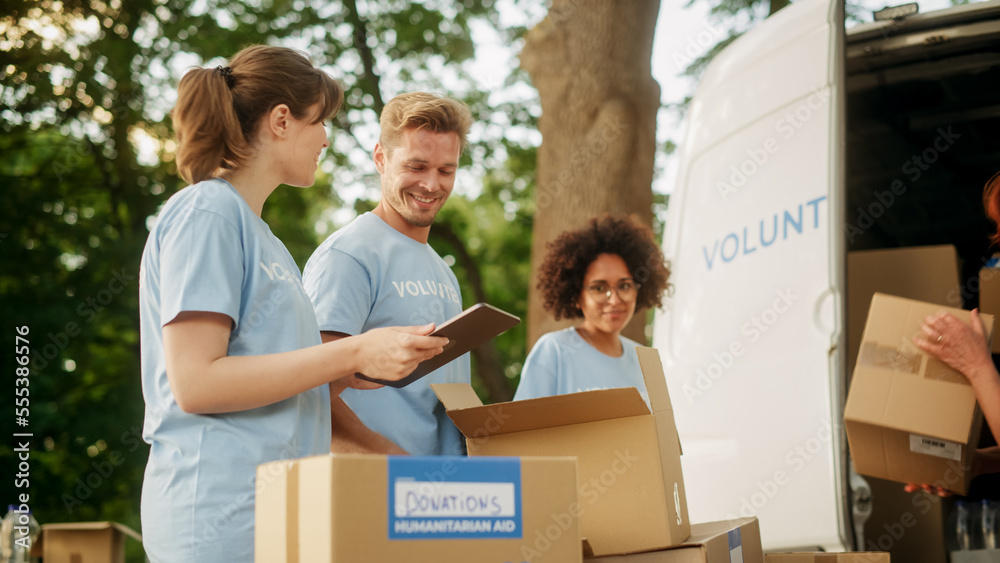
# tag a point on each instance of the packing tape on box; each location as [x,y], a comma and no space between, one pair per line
[889,357]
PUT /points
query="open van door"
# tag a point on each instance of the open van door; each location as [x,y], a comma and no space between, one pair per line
[751,338]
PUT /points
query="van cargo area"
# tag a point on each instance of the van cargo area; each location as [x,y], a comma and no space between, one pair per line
[809,149]
[923,132]
[922,116]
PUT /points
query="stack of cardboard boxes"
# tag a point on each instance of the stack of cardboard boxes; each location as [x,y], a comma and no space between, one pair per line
[592,476]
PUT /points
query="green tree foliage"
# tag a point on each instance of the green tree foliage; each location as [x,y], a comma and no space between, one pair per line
[86,162]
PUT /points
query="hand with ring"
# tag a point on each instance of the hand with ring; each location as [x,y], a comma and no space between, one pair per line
[962,346]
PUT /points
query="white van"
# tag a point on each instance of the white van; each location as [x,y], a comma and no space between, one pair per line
[804,143]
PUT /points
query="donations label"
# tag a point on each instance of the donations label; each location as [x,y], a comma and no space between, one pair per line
[450,497]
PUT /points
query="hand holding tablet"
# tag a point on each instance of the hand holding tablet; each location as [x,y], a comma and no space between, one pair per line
[465,331]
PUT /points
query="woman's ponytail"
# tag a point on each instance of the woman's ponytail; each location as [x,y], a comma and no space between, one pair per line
[209,136]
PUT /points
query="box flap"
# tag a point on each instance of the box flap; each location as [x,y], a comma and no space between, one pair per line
[92,526]
[652,374]
[668,441]
[656,386]
[543,412]
[456,395]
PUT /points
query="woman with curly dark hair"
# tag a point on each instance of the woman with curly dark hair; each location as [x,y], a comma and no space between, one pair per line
[601,274]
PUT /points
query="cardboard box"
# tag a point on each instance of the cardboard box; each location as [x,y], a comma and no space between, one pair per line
[728,541]
[350,508]
[85,542]
[276,512]
[820,557]
[923,273]
[909,417]
[630,484]
[989,297]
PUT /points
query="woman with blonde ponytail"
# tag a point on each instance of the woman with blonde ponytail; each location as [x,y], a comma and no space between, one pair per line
[234,373]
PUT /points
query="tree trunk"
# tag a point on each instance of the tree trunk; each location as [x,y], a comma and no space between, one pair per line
[590,60]
[488,364]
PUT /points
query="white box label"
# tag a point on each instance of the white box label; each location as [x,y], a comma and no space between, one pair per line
[935,447]
[455,499]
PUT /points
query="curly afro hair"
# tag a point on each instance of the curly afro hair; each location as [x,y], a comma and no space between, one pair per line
[560,277]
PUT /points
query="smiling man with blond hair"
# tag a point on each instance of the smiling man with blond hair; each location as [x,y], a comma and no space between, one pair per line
[379,271]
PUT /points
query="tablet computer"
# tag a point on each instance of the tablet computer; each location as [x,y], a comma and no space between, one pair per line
[465,331]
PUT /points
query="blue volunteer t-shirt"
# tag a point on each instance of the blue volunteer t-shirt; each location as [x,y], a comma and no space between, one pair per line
[563,362]
[208,251]
[369,275]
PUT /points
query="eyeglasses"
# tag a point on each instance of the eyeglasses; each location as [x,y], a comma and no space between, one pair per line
[601,293]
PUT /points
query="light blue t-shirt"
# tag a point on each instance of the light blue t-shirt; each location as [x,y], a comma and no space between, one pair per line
[208,251]
[563,362]
[369,275]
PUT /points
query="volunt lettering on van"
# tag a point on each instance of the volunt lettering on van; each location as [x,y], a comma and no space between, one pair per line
[765,233]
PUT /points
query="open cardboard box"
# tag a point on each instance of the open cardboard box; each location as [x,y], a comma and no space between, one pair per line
[909,417]
[432,509]
[83,542]
[728,541]
[631,490]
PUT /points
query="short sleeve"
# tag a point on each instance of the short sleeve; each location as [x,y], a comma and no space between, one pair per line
[340,289]
[201,266]
[540,372]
